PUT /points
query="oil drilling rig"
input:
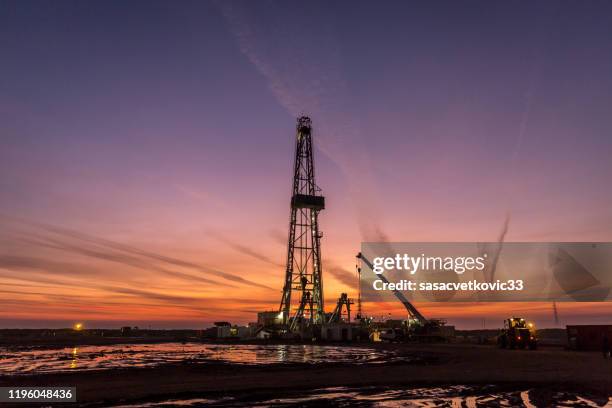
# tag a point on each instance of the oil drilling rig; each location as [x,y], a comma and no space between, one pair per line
[302,301]
[301,314]
[302,310]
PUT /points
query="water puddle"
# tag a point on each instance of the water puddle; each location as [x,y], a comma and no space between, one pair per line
[150,355]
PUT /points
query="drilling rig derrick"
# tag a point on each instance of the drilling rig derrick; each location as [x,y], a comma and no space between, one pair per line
[302,301]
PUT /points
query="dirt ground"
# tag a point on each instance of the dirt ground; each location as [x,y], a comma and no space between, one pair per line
[447,364]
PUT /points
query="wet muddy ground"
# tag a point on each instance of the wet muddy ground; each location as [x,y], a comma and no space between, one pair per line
[385,375]
[450,396]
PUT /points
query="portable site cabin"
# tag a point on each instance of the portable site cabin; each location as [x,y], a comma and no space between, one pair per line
[588,337]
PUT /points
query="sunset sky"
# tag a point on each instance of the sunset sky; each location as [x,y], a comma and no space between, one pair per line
[146,147]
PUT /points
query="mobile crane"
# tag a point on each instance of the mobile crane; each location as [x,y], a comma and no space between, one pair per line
[417,327]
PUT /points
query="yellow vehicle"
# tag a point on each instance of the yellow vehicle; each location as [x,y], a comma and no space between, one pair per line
[517,333]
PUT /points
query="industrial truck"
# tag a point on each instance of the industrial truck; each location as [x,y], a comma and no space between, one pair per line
[517,333]
[416,327]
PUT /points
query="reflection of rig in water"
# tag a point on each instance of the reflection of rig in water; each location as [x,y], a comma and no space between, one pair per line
[301,313]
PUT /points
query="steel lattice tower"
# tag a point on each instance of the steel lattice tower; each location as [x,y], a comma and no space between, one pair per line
[303,276]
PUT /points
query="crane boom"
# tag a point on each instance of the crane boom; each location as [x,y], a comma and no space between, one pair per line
[412,311]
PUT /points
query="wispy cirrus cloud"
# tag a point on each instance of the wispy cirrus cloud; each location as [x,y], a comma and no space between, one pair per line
[88,245]
[344,276]
[73,273]
[243,249]
[304,70]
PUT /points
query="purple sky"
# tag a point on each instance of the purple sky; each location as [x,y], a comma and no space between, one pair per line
[169,126]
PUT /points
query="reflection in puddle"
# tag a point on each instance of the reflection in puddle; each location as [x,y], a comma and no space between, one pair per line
[148,355]
[451,397]
[73,363]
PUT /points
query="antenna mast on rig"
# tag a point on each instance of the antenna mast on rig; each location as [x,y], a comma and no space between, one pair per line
[303,275]
[358,268]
